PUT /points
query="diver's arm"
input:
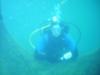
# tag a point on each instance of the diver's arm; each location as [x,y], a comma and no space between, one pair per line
[41,43]
[70,49]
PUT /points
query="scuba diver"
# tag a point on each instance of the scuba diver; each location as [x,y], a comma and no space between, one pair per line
[55,44]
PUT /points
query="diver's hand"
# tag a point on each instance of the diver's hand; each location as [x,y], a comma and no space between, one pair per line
[66,56]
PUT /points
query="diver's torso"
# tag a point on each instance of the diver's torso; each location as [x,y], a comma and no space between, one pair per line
[54,46]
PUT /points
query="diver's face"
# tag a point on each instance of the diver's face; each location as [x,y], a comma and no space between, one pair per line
[56,30]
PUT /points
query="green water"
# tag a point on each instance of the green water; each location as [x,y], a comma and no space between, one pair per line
[18,18]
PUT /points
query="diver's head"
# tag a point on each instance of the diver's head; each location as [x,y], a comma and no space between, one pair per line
[56,29]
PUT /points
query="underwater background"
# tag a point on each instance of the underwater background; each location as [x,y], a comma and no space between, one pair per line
[18,18]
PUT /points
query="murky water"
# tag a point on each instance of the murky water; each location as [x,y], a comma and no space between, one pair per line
[18,18]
